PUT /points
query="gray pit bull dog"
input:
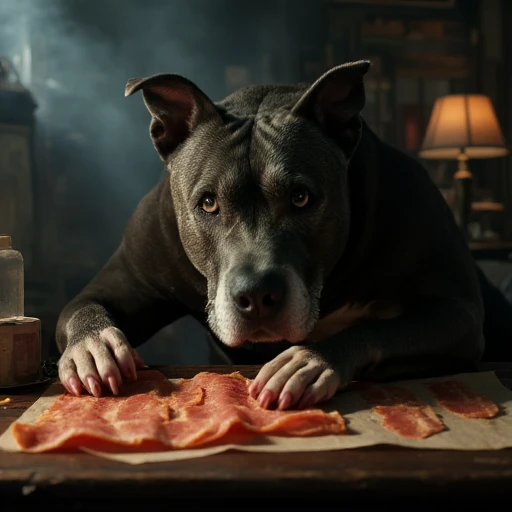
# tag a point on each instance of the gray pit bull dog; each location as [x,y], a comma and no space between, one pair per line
[295,235]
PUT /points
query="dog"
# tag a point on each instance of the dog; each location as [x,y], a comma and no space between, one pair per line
[300,239]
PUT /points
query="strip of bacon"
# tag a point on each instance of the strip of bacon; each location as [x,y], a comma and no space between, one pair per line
[155,414]
[134,418]
[459,398]
[401,412]
[228,406]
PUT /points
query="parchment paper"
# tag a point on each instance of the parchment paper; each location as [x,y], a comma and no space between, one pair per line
[364,426]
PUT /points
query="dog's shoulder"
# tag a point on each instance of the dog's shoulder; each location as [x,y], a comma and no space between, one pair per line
[403,181]
[396,165]
[152,247]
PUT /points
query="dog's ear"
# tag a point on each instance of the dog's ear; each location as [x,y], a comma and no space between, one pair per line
[176,105]
[335,101]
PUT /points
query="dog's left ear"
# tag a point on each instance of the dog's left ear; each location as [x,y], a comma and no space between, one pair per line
[335,101]
[177,106]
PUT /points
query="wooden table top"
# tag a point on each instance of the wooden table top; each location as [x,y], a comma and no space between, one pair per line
[70,481]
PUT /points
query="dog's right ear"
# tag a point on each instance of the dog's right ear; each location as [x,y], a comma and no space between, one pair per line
[335,101]
[176,105]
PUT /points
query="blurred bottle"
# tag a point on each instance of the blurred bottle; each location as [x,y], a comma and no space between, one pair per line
[12,300]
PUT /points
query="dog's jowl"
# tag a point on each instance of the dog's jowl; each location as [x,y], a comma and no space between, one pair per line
[295,235]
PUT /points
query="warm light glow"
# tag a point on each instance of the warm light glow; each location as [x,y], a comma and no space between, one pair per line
[463,122]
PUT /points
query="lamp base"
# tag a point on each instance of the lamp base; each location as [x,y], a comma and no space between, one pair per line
[463,181]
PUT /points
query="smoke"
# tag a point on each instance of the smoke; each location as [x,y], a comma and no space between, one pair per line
[75,57]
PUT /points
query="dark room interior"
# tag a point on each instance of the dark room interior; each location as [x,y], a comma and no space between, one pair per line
[399,294]
[84,159]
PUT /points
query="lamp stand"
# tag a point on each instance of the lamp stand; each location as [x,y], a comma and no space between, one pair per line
[463,179]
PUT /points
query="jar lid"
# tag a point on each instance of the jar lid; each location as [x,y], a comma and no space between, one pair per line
[5,242]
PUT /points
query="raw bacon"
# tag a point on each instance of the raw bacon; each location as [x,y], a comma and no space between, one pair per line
[153,413]
[401,412]
[228,405]
[134,418]
[459,398]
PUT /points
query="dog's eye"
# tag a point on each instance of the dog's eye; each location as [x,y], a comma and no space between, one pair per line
[300,198]
[209,204]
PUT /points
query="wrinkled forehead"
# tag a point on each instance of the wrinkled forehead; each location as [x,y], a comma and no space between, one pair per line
[272,151]
[287,148]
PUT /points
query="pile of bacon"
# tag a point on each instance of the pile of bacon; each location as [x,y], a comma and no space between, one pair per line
[154,413]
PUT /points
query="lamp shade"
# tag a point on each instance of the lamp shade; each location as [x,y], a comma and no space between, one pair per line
[463,123]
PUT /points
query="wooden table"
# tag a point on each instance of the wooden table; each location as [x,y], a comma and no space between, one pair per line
[348,478]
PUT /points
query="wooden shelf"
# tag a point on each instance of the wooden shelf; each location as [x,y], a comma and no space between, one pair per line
[499,250]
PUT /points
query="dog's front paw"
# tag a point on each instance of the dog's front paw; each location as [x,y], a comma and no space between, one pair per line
[98,361]
[298,377]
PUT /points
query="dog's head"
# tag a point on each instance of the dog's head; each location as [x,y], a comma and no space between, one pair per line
[259,185]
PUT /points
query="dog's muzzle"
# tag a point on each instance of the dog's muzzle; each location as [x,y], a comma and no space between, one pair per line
[262,304]
[258,296]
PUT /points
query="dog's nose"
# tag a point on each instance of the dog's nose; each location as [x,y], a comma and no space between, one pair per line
[258,295]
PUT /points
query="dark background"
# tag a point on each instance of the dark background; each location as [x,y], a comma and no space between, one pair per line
[91,156]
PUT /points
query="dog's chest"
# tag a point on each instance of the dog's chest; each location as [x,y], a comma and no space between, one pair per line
[352,314]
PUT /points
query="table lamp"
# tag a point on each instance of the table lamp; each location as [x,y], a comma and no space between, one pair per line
[461,127]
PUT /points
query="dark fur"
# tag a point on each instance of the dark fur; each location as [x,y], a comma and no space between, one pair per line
[377,230]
